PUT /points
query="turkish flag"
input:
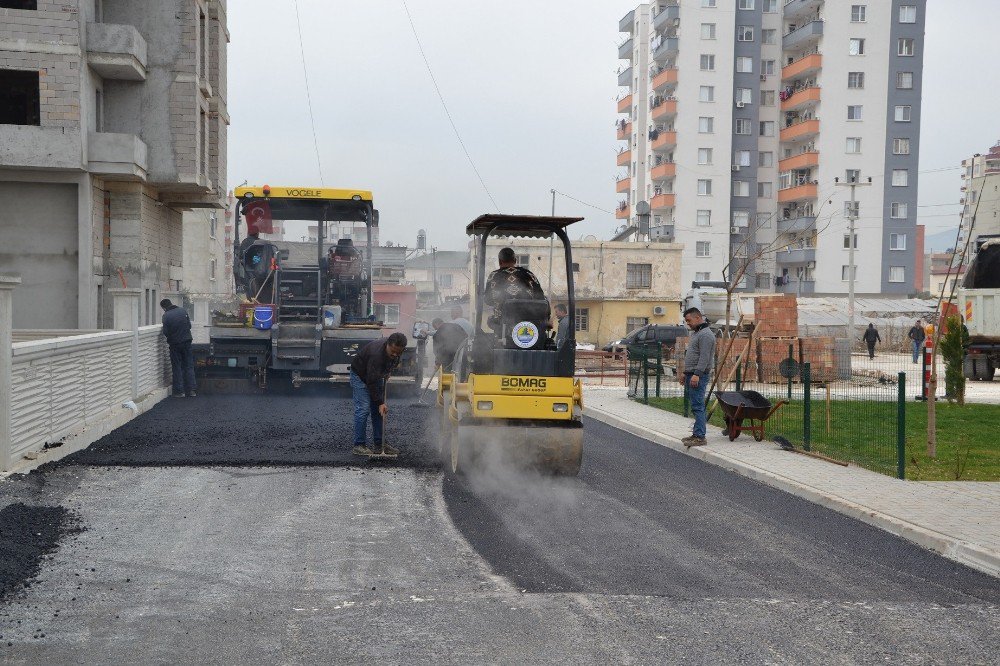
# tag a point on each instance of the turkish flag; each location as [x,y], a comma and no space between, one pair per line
[258,217]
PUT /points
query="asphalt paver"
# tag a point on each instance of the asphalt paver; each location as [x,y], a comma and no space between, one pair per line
[234,529]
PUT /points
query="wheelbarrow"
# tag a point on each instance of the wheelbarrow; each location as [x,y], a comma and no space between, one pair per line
[740,406]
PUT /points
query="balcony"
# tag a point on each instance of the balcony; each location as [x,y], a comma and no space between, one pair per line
[799,287]
[624,158]
[625,77]
[800,161]
[806,66]
[116,52]
[33,147]
[800,8]
[666,18]
[625,50]
[797,193]
[624,131]
[665,109]
[623,212]
[796,224]
[623,185]
[665,79]
[627,22]
[801,99]
[121,156]
[803,36]
[798,255]
[800,131]
[666,50]
[665,141]
[625,104]
[663,171]
[662,201]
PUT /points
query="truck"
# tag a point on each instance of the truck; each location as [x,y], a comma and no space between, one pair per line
[299,322]
[979,305]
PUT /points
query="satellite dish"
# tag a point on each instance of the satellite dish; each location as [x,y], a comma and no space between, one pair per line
[642,208]
[590,238]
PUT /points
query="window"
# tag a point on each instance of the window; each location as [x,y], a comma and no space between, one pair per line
[744,96]
[768,67]
[707,62]
[742,126]
[741,158]
[704,218]
[764,220]
[708,31]
[767,128]
[387,313]
[905,46]
[704,156]
[897,241]
[638,276]
[704,187]
[21,98]
[746,4]
[903,114]
[900,146]
[854,144]
[744,65]
[904,80]
[852,209]
[852,176]
[706,94]
[702,277]
[900,177]
[582,317]
[855,79]
[635,323]
[847,241]
[213,225]
[765,190]
[741,188]
[212,266]
[907,14]
[744,33]
[857,47]
[703,249]
[523,260]
[768,36]
[706,125]
[898,211]
[741,218]
[30,5]
[897,274]
[770,6]
[854,112]
[765,159]
[763,280]
[767,98]
[708,3]
[843,273]
[858,13]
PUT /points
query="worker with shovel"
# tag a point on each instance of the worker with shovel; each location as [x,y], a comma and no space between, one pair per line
[370,371]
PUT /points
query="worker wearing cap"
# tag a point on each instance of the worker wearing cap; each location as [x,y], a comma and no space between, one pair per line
[511,281]
[370,370]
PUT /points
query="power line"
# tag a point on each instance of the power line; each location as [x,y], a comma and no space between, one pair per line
[437,89]
[305,74]
[603,210]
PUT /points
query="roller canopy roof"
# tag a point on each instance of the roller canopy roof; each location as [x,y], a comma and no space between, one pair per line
[526,226]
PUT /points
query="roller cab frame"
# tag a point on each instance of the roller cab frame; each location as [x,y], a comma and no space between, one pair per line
[512,395]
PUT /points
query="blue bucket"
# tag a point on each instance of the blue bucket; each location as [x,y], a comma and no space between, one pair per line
[263,317]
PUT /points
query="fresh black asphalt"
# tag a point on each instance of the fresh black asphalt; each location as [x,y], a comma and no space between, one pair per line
[239,529]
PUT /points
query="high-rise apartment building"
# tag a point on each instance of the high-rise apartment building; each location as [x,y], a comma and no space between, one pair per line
[980,195]
[758,110]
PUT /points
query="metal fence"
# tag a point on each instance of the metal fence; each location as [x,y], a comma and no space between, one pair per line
[834,404]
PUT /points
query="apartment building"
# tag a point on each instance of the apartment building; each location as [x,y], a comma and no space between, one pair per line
[112,124]
[741,170]
[981,195]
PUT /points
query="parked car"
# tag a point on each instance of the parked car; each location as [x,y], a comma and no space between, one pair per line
[650,334]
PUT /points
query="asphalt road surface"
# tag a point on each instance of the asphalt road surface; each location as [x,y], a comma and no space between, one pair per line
[233,529]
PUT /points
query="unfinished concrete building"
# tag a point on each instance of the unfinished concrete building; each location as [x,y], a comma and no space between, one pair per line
[112,123]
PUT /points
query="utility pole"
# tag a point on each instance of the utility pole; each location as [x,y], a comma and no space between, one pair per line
[552,240]
[852,219]
[434,274]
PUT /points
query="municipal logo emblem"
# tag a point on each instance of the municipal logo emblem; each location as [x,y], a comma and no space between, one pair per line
[525,335]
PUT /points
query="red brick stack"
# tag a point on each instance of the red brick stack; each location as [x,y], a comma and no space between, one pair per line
[770,353]
[778,314]
[728,369]
[819,353]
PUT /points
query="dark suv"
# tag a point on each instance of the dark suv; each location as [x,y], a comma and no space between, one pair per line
[650,334]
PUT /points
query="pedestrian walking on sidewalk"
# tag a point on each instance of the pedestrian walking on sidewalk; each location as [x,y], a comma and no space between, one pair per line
[177,331]
[870,337]
[699,358]
[917,337]
[370,370]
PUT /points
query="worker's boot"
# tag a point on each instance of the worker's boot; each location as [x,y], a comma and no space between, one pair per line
[389,450]
[362,450]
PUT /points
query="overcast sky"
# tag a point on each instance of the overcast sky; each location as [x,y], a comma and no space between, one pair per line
[530,85]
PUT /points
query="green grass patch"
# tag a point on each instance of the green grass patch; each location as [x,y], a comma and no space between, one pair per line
[864,432]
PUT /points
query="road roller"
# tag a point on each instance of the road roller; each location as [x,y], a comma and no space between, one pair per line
[511,396]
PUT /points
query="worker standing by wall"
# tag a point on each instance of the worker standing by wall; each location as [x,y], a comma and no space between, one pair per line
[699,357]
[177,331]
[370,370]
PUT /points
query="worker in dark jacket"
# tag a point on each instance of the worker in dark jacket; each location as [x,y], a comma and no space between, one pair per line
[509,282]
[177,331]
[370,370]
[448,339]
[917,337]
[870,337]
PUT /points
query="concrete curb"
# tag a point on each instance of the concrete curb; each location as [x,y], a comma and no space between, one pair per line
[969,554]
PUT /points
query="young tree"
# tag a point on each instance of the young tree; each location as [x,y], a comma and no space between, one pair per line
[953,343]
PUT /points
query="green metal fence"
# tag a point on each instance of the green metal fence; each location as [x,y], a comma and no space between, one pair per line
[855,417]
